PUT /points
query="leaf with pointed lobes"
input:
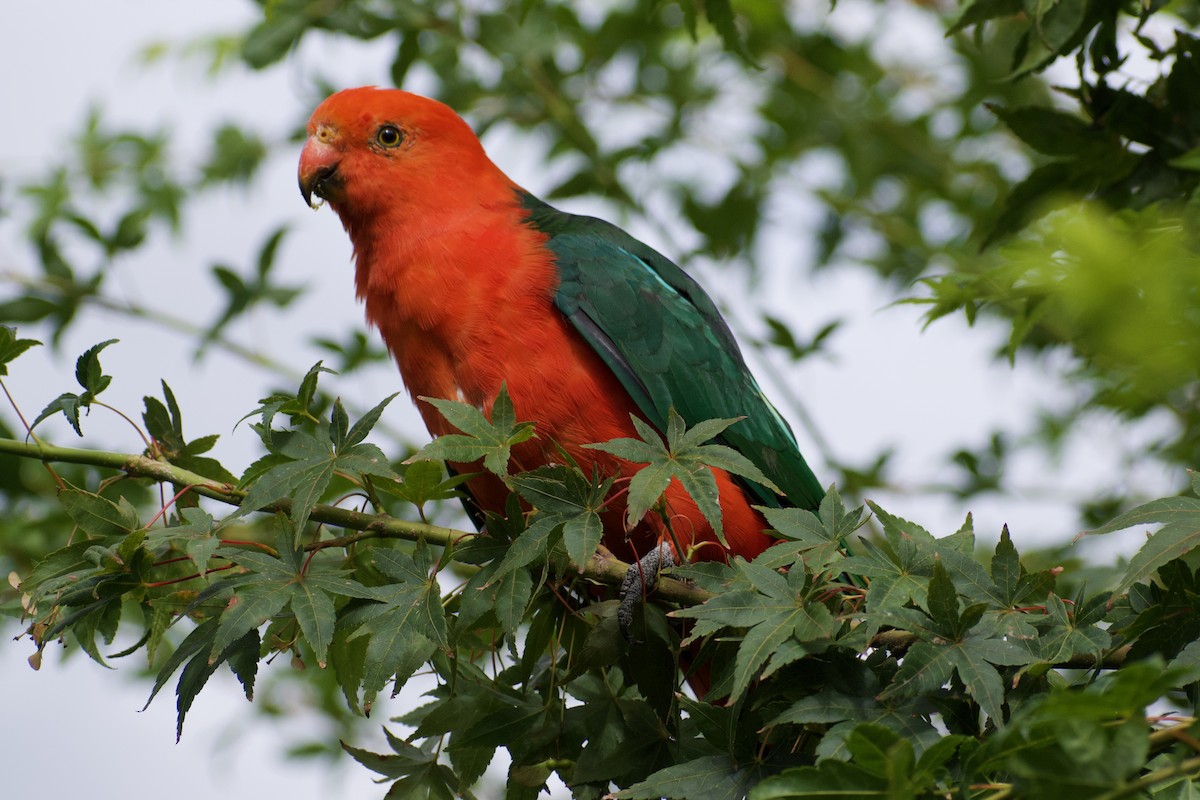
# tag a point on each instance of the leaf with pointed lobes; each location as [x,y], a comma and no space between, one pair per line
[481,438]
[11,346]
[91,377]
[686,457]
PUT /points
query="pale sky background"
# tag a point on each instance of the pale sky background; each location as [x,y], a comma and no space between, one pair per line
[73,729]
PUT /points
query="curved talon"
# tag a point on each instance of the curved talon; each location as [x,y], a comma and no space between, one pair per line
[640,579]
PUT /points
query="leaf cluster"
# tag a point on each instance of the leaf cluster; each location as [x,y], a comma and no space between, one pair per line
[837,663]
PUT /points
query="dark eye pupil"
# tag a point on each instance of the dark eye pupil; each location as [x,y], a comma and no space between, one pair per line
[389,136]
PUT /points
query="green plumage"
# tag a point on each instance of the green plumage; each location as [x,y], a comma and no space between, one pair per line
[666,342]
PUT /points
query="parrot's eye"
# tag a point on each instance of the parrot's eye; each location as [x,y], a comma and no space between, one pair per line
[389,136]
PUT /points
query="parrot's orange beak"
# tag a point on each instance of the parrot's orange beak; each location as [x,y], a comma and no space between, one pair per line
[318,171]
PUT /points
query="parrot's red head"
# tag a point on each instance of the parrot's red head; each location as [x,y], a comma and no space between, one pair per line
[374,151]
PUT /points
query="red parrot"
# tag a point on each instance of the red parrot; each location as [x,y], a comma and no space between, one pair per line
[474,283]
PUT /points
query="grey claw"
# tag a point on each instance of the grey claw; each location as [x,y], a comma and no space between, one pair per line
[640,579]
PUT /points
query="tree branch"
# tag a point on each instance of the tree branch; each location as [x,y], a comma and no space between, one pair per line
[601,568]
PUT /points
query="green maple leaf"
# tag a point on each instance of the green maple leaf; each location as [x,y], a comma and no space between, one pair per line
[716,777]
[196,532]
[193,654]
[1012,588]
[1067,634]
[959,648]
[416,770]
[776,611]
[566,501]
[89,375]
[295,406]
[98,516]
[843,713]
[164,423]
[1179,534]
[301,465]
[899,567]
[407,624]
[480,438]
[423,482]
[686,457]
[278,583]
[505,597]
[11,346]
[819,537]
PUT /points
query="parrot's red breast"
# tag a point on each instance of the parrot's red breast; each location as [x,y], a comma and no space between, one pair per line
[462,290]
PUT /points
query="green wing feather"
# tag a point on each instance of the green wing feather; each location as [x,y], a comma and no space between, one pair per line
[667,344]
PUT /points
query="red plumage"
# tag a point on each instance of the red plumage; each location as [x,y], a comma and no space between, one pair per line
[462,291]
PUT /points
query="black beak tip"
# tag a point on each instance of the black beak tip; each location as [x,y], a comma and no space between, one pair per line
[318,183]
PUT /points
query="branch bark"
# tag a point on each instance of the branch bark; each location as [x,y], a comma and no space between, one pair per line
[601,568]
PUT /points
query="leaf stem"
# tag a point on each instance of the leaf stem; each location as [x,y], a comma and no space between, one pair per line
[145,439]
[157,584]
[29,433]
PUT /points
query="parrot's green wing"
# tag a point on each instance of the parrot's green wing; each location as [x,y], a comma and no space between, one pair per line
[666,342]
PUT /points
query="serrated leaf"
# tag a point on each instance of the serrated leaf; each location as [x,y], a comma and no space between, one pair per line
[942,601]
[406,761]
[562,496]
[366,423]
[735,609]
[531,546]
[198,641]
[402,566]
[510,597]
[339,424]
[11,346]
[1006,568]
[422,482]
[363,459]
[1049,130]
[470,762]
[1180,534]
[829,780]
[201,667]
[304,479]
[68,404]
[88,371]
[684,457]
[925,669]
[249,608]
[315,615]
[394,653]
[710,777]
[98,516]
[806,622]
[242,659]
[480,439]
[404,629]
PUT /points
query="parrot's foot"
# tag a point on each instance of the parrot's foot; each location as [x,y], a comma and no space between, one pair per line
[640,578]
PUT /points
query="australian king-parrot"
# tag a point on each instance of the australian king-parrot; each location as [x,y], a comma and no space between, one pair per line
[474,283]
